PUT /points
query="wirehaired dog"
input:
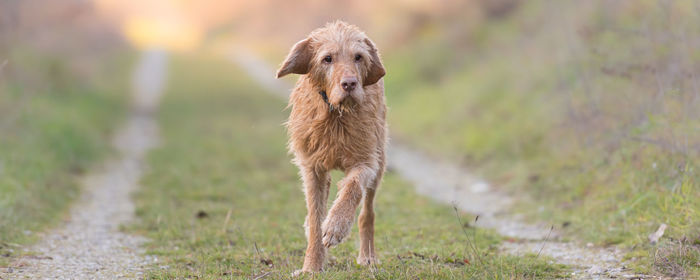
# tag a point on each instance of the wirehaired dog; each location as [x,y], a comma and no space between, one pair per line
[337,121]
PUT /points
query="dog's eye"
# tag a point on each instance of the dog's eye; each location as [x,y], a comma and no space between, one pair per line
[328,59]
[358,57]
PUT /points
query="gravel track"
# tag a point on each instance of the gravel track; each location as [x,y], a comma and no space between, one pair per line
[451,184]
[90,245]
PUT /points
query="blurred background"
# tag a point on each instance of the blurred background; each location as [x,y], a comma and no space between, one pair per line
[582,108]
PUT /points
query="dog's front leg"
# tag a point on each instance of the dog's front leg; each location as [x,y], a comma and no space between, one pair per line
[339,221]
[316,186]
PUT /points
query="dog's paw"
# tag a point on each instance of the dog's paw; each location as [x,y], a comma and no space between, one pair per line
[300,272]
[335,229]
[362,260]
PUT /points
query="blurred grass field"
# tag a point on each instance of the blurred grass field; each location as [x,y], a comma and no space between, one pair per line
[587,111]
[590,111]
[222,199]
[54,124]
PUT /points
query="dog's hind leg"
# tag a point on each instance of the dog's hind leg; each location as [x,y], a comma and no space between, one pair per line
[339,220]
[316,185]
[366,225]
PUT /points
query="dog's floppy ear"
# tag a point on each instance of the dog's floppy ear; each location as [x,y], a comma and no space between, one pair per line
[298,60]
[376,69]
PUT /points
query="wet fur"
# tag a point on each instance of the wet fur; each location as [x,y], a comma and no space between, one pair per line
[351,137]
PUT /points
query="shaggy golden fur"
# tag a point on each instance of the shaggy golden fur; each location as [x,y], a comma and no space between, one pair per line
[347,132]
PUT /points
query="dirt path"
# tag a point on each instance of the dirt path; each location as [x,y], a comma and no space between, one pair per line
[451,184]
[90,245]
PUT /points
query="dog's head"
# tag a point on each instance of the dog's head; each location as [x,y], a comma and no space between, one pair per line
[339,58]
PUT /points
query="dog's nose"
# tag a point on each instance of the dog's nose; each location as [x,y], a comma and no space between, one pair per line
[348,83]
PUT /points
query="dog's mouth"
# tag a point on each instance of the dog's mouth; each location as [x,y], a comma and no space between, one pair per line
[339,101]
[346,106]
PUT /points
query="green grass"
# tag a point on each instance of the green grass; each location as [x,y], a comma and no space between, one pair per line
[53,125]
[224,153]
[557,102]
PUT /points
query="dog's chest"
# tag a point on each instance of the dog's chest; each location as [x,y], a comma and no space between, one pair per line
[335,141]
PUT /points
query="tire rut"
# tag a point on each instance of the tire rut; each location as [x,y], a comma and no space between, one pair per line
[90,245]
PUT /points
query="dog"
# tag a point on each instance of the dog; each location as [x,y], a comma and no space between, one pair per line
[337,121]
